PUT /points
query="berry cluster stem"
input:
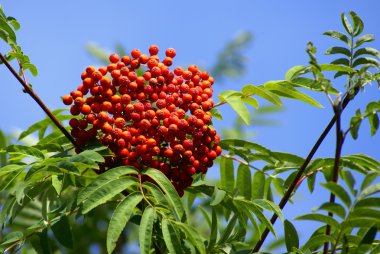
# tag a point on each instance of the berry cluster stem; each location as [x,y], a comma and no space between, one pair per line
[35,97]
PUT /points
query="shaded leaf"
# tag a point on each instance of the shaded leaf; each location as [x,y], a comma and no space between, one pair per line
[258,184]
[62,232]
[120,218]
[169,190]
[146,230]
[243,181]
[217,196]
[227,175]
[251,101]
[171,237]
[317,241]
[216,113]
[346,24]
[366,61]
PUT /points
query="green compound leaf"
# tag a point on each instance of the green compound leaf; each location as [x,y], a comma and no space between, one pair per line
[120,218]
[193,236]
[285,89]
[291,236]
[146,230]
[169,190]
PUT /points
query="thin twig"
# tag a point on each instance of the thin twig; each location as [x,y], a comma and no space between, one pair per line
[245,163]
[338,151]
[35,97]
[294,184]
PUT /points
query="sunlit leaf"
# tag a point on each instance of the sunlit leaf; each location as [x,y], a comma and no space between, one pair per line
[263,93]
[319,217]
[363,39]
[338,50]
[239,107]
[107,191]
[291,236]
[334,208]
[285,89]
[339,191]
[171,237]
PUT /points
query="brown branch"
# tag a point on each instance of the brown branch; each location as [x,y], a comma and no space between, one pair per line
[335,176]
[245,163]
[35,97]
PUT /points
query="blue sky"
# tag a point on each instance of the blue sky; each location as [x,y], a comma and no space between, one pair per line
[54,34]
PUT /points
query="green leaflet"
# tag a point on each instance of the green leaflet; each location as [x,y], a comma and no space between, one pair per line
[169,190]
[238,105]
[339,191]
[146,230]
[263,93]
[285,89]
[227,175]
[26,151]
[62,232]
[171,237]
[103,179]
[120,218]
[334,208]
[243,181]
[319,217]
[106,192]
[291,236]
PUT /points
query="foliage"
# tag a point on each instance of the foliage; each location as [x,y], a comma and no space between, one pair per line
[51,196]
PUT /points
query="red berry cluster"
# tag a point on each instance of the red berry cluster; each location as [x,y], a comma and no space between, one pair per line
[148,115]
